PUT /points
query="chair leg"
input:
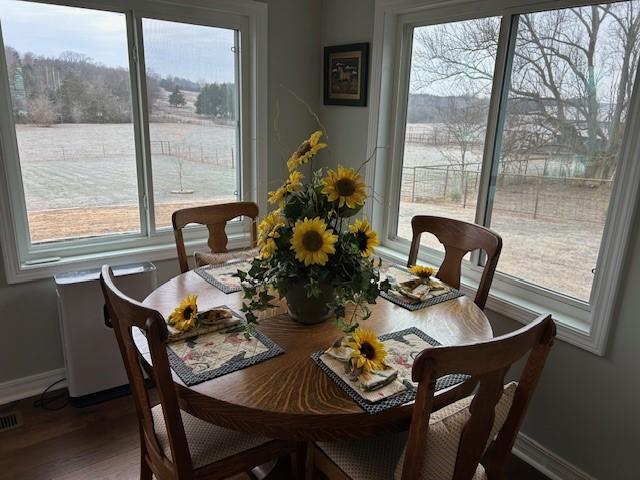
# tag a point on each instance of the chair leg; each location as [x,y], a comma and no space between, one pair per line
[300,461]
[313,473]
[145,471]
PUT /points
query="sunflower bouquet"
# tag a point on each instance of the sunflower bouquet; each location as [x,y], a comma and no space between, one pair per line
[311,252]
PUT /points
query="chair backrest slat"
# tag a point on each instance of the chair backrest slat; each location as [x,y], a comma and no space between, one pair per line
[127,314]
[215,217]
[487,363]
[458,238]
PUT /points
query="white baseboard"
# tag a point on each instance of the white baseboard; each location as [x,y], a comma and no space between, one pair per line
[29,386]
[547,462]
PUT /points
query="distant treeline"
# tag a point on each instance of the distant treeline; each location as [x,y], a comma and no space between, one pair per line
[424,108]
[170,83]
[217,100]
[72,88]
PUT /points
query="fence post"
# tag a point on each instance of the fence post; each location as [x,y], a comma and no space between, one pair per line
[466,189]
[446,183]
[535,208]
[413,186]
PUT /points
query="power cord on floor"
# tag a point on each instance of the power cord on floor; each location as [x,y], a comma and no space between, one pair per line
[46,402]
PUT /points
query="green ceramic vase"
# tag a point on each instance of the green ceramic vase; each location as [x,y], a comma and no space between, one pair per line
[308,310]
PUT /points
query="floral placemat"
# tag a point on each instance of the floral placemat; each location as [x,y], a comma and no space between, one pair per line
[396,274]
[222,276]
[402,348]
[212,354]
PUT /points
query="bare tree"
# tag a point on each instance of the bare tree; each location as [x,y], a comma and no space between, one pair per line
[41,111]
[464,121]
[571,79]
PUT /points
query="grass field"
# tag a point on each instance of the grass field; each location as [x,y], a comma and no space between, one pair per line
[555,254]
[66,167]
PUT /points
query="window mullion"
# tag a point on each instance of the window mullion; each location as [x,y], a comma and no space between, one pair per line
[243,178]
[397,139]
[10,159]
[495,122]
[141,120]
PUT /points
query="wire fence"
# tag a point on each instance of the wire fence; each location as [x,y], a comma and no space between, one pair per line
[536,196]
[435,134]
[223,156]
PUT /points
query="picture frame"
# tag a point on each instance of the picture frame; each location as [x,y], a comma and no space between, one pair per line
[346,74]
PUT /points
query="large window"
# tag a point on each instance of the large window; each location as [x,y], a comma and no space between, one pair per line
[569,86]
[516,122]
[71,104]
[446,121]
[193,115]
[112,119]
[568,96]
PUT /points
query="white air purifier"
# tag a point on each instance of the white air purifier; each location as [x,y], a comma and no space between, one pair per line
[94,368]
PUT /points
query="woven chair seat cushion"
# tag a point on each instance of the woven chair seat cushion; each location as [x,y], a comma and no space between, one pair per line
[211,258]
[374,459]
[207,443]
[382,458]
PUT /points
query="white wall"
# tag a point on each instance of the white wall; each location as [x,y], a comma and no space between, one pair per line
[29,336]
[342,23]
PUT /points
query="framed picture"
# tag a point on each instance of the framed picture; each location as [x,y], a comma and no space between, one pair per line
[346,69]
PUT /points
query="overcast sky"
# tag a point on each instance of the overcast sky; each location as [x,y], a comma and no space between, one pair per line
[194,52]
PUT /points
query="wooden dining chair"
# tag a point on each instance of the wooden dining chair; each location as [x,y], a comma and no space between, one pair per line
[458,238]
[174,444]
[215,218]
[470,439]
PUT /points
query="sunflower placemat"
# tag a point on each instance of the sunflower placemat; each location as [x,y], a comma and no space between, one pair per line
[207,354]
[411,293]
[396,386]
[222,276]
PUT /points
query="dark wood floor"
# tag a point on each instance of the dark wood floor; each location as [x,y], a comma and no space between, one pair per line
[99,442]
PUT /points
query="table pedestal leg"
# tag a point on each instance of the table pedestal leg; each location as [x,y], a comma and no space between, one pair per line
[292,467]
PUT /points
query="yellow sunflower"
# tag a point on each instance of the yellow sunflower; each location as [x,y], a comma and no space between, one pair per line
[268,231]
[185,316]
[277,196]
[368,351]
[346,186]
[312,242]
[307,149]
[422,271]
[367,238]
[293,184]
[268,248]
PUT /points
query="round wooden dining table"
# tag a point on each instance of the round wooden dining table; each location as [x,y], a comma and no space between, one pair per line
[288,396]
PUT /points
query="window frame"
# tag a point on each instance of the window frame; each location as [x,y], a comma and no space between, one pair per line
[582,324]
[24,261]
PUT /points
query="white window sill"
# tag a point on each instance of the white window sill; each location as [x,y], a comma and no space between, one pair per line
[164,251]
[573,329]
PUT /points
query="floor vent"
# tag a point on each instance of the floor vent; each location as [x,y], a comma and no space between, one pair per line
[10,420]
